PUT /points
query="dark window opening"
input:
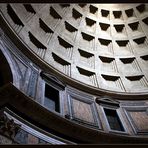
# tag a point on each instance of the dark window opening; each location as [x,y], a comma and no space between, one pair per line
[113,119]
[52,98]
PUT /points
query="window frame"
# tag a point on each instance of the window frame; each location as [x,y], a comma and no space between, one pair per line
[119,116]
[46,83]
[55,83]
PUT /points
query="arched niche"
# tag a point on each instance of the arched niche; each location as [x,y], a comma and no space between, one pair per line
[5,71]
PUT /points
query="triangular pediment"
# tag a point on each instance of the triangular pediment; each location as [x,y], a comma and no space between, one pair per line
[107,100]
[52,79]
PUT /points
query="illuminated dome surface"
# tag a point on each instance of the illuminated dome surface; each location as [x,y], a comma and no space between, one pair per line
[102,46]
[84,66]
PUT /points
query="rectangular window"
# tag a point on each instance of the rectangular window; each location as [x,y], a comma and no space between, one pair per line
[113,119]
[52,98]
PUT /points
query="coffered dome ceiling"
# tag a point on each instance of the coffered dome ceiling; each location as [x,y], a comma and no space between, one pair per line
[104,46]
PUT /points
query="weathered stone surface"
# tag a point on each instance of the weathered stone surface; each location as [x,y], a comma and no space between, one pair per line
[21,137]
[5,140]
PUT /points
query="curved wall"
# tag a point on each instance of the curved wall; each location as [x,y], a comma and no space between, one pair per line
[102,46]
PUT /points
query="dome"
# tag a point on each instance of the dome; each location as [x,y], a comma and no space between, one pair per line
[101,45]
[92,57]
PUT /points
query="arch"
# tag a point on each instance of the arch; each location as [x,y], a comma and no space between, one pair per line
[8,71]
[5,71]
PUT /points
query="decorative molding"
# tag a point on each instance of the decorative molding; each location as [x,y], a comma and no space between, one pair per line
[85,100]
[121,120]
[22,67]
[53,80]
[30,129]
[106,100]
[32,84]
[129,110]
